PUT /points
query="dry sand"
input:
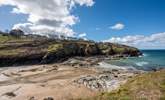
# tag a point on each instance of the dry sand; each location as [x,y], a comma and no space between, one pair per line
[37,82]
[40,81]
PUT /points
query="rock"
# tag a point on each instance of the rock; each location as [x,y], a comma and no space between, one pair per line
[46,50]
[116,76]
[29,70]
[52,68]
[107,71]
[32,98]
[10,94]
[115,70]
[49,98]
[93,82]
[104,77]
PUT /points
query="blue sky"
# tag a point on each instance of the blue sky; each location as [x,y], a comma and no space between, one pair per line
[7,19]
[138,17]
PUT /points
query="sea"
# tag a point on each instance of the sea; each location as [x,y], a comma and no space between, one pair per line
[151,60]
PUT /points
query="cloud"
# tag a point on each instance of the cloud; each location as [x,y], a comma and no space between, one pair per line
[82,35]
[47,16]
[118,26]
[156,40]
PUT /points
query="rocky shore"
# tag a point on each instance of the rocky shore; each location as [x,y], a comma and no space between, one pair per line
[75,78]
[42,68]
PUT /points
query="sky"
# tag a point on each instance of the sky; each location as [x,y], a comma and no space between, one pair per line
[138,23]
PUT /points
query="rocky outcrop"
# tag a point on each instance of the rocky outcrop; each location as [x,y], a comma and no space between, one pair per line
[92,82]
[44,50]
[107,80]
[65,50]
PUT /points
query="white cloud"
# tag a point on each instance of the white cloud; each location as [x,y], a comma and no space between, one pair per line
[156,40]
[47,16]
[118,26]
[82,35]
[86,2]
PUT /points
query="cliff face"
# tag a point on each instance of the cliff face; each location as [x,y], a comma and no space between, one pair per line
[57,51]
[24,50]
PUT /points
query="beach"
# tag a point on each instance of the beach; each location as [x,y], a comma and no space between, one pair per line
[74,78]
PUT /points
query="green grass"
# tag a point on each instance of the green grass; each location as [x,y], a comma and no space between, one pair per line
[9,38]
[11,52]
[104,48]
[6,38]
[55,47]
[119,50]
[149,86]
[16,46]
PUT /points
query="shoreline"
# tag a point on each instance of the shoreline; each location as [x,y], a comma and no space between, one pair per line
[73,76]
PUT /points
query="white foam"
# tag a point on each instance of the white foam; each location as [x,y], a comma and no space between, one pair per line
[145,54]
[109,66]
[142,63]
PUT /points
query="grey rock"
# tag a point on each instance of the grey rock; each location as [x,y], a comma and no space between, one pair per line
[92,82]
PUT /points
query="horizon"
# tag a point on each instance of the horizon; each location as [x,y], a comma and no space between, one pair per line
[137,23]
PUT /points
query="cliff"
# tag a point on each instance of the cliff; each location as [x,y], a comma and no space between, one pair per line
[32,49]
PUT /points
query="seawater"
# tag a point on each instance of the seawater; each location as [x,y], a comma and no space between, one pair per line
[151,59]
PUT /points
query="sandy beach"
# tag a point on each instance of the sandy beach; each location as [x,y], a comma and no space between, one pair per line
[61,81]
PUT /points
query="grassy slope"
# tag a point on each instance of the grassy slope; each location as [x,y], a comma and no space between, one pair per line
[148,86]
[14,46]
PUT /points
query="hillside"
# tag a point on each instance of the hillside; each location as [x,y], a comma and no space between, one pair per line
[17,48]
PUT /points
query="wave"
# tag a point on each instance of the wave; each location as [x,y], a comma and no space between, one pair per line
[110,66]
[145,55]
[142,63]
